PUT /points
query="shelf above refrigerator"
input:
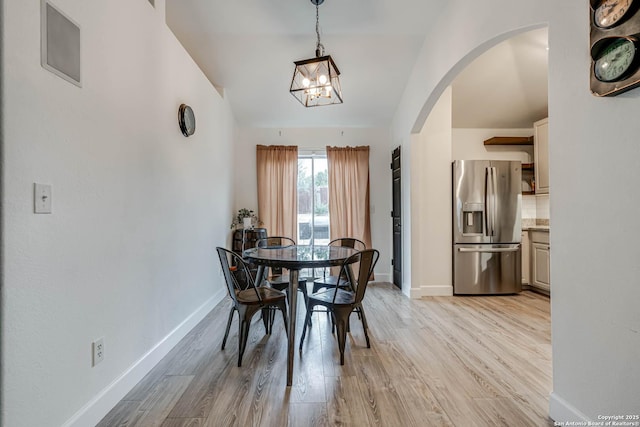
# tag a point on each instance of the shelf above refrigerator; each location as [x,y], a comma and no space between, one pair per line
[509,140]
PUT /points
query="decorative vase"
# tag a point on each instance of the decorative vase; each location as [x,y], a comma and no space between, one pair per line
[246,222]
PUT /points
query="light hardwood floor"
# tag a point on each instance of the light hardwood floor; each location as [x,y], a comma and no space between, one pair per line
[440,361]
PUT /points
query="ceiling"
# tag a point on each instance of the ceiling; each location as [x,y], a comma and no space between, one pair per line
[247,48]
[505,87]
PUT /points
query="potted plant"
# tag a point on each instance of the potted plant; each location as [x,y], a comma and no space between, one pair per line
[246,218]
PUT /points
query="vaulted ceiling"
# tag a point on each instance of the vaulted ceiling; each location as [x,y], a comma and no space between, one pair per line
[505,87]
[248,47]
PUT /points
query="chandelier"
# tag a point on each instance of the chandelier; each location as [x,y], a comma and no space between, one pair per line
[316,81]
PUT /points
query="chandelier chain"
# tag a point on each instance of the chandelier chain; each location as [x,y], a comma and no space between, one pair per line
[319,46]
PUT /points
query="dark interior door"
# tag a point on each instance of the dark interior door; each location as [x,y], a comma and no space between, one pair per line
[396,216]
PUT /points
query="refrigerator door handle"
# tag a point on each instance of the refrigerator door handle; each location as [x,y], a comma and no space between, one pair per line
[490,250]
[490,200]
[486,202]
[494,207]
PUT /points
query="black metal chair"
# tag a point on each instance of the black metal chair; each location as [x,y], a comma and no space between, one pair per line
[342,302]
[275,242]
[277,279]
[331,281]
[247,298]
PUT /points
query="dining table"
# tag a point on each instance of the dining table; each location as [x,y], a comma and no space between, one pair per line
[295,258]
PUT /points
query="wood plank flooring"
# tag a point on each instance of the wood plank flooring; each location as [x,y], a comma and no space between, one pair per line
[440,361]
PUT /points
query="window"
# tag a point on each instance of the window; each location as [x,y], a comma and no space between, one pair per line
[313,200]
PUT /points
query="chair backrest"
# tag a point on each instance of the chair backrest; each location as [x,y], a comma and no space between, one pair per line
[366,261]
[275,241]
[237,273]
[349,242]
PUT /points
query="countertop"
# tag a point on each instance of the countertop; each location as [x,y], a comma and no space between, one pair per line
[536,224]
[536,228]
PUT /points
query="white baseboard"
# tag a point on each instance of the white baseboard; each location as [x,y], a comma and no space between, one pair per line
[379,277]
[431,291]
[91,413]
[561,411]
[415,293]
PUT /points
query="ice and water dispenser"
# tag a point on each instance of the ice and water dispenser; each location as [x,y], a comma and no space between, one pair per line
[472,214]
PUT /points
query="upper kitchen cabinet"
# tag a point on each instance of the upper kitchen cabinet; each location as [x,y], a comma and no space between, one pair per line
[541,155]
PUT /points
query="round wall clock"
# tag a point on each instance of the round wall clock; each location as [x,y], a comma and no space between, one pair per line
[614,38]
[187,120]
[616,60]
[610,12]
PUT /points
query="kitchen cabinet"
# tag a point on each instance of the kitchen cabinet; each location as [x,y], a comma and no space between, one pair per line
[540,271]
[525,257]
[541,155]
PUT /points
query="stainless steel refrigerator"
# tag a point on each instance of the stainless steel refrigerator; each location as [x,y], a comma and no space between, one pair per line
[487,228]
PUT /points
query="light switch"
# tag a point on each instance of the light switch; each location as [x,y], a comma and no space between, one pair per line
[42,198]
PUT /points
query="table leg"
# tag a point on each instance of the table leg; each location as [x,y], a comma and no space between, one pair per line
[259,275]
[293,305]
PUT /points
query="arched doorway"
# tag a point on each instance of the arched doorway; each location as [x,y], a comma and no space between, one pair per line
[431,150]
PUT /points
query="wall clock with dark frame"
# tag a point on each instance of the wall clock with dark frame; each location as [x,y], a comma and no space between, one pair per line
[186,120]
[615,44]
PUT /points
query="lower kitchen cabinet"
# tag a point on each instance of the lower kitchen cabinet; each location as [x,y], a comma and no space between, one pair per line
[540,272]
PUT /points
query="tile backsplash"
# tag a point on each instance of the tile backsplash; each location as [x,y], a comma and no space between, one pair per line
[535,207]
[528,207]
[542,206]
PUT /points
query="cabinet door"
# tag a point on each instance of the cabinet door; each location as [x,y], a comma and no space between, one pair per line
[540,267]
[541,155]
[525,257]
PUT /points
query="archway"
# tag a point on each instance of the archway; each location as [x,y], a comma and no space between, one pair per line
[428,259]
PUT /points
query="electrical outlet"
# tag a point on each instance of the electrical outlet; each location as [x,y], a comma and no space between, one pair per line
[97,348]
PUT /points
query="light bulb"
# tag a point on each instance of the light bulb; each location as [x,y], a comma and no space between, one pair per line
[306,82]
[322,79]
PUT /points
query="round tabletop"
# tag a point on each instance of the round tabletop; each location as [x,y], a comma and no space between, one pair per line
[299,256]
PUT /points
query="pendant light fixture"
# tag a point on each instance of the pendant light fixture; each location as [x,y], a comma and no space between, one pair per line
[316,81]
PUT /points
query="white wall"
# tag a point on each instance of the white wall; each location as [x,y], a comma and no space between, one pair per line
[468,144]
[406,201]
[594,173]
[317,139]
[128,253]
[431,203]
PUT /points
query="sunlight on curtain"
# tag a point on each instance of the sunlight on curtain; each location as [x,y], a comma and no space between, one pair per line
[349,193]
[277,172]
